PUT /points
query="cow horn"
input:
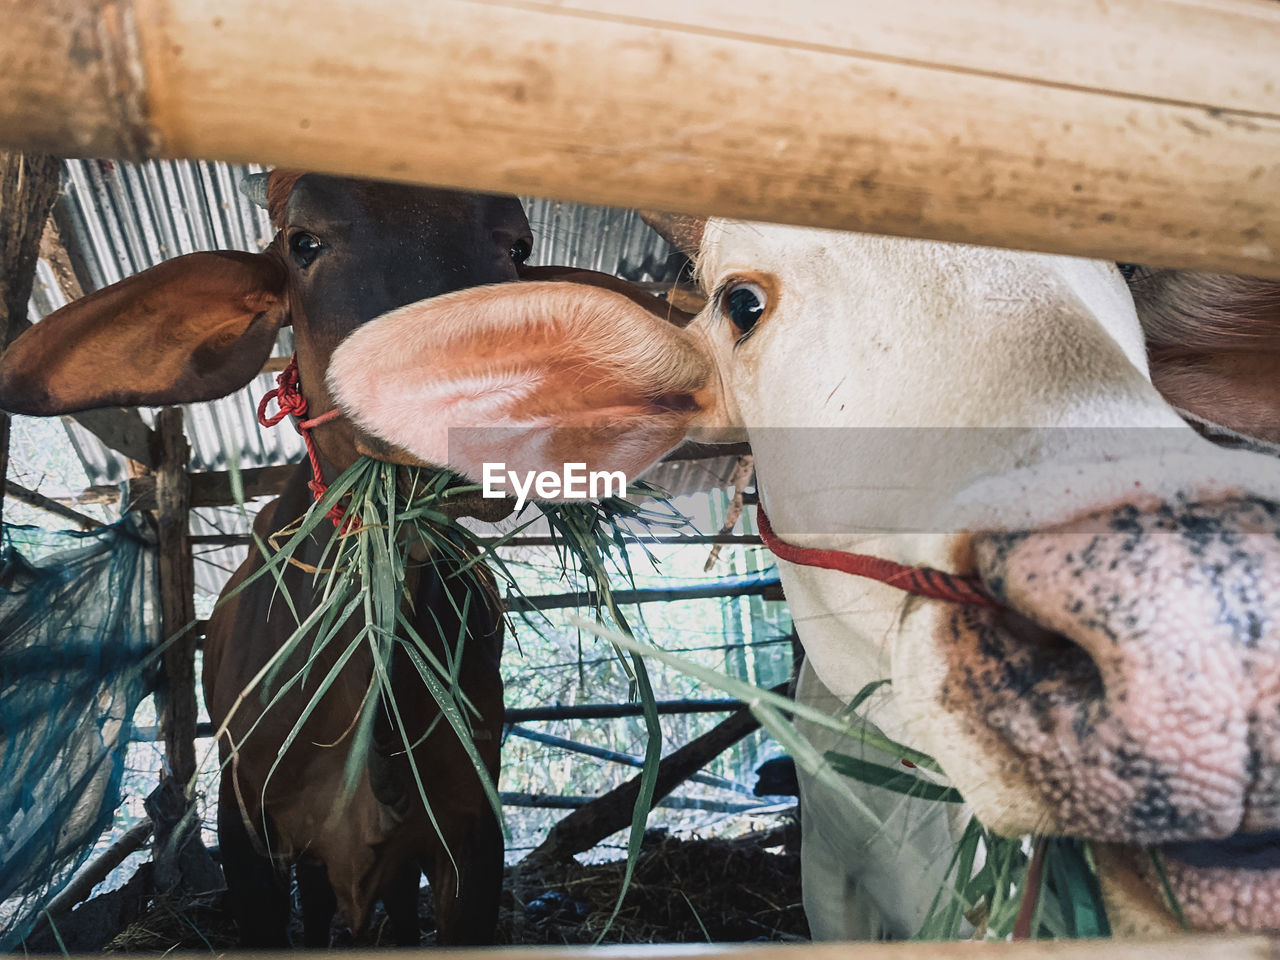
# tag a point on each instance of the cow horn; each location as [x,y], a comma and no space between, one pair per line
[681,230]
[254,186]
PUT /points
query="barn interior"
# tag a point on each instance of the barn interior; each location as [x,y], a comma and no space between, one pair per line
[1126,131]
[81,506]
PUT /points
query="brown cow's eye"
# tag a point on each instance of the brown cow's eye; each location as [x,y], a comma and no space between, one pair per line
[305,248]
[744,303]
[520,251]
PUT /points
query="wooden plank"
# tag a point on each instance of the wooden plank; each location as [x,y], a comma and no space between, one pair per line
[213,488]
[1189,947]
[208,489]
[28,186]
[1056,126]
[744,539]
[177,594]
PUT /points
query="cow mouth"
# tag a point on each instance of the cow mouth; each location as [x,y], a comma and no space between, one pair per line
[473,504]
[1242,851]
[1227,885]
[1055,699]
[1131,678]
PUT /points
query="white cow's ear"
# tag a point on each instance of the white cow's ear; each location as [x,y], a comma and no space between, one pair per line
[531,375]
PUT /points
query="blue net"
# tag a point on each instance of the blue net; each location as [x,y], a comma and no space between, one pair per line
[78,618]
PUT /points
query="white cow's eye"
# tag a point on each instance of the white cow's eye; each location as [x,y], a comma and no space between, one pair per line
[744,303]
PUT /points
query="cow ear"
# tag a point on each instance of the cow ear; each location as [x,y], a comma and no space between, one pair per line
[1213,342]
[533,375]
[194,328]
[638,295]
[683,231]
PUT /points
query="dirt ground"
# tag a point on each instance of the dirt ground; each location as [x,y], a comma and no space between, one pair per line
[683,891]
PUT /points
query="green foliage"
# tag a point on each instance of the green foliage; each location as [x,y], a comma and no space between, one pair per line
[988,874]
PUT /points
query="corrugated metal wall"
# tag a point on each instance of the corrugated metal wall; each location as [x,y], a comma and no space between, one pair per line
[119,218]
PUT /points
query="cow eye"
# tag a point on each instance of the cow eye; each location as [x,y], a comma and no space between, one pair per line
[520,251]
[744,302]
[305,248]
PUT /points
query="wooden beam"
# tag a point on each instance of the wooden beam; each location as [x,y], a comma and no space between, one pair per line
[177,593]
[28,186]
[564,601]
[744,539]
[97,871]
[1052,125]
[611,812]
[213,488]
[208,489]
[1188,947]
[33,499]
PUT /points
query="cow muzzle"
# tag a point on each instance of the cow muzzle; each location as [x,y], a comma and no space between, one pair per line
[1134,675]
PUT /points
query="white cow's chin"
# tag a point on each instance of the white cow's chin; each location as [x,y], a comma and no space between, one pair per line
[1209,898]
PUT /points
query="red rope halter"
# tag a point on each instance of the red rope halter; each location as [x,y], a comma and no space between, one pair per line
[291,403]
[923,581]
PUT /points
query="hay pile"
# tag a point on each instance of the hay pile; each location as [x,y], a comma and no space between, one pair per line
[683,891]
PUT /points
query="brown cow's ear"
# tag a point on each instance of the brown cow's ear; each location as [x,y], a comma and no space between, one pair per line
[194,328]
[534,375]
[638,295]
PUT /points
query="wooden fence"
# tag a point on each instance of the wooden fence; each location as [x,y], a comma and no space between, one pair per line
[1141,130]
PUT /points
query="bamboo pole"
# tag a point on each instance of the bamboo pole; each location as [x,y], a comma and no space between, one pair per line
[1221,947]
[1144,130]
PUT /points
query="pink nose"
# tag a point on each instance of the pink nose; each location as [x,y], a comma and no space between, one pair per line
[1137,667]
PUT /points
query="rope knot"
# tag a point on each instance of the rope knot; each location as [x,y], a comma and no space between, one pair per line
[288,397]
[290,402]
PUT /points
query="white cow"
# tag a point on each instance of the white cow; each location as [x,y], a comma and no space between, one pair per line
[983,412]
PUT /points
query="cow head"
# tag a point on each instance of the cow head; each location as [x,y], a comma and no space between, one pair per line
[983,412]
[201,326]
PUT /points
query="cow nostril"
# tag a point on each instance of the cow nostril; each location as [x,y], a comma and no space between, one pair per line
[1049,672]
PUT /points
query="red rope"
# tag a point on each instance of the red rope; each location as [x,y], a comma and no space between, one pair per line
[291,403]
[923,581]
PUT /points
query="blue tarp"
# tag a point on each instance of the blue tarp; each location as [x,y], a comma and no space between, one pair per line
[78,617]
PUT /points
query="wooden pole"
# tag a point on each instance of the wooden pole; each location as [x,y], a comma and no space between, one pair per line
[33,499]
[611,812]
[1190,947]
[177,594]
[1143,130]
[28,187]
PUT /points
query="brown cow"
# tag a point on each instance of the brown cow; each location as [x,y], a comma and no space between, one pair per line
[199,327]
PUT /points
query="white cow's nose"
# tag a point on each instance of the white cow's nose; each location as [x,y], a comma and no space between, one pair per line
[1138,666]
